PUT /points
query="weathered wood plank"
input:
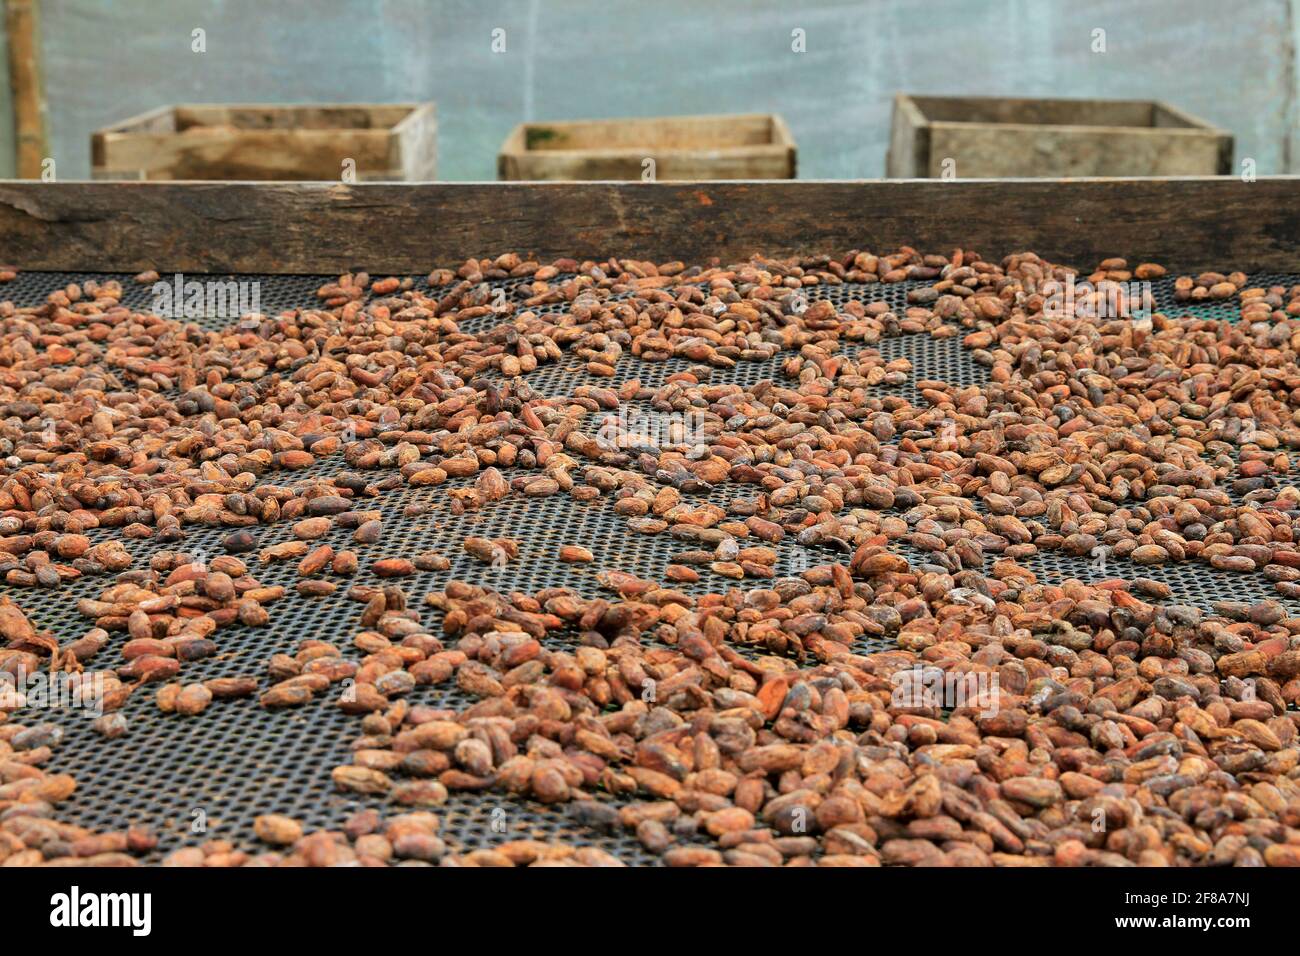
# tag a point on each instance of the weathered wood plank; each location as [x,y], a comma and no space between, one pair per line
[249,116]
[413,147]
[1047,111]
[909,140]
[1025,149]
[1192,223]
[224,153]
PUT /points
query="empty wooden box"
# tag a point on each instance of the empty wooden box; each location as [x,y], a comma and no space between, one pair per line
[682,147]
[393,142]
[983,137]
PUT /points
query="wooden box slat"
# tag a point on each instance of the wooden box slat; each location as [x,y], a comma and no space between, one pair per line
[988,137]
[387,142]
[1189,224]
[757,146]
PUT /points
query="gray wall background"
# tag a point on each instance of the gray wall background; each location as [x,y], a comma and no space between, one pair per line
[105,60]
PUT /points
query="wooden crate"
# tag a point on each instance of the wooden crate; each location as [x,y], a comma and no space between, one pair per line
[388,143]
[1186,224]
[992,137]
[757,146]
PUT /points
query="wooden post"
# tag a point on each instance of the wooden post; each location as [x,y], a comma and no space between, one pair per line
[28,92]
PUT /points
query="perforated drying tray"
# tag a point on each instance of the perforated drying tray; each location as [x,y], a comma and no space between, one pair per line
[237,760]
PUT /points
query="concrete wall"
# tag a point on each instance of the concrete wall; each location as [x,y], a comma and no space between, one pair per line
[105,60]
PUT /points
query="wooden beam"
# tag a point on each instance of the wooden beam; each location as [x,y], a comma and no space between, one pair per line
[27,89]
[1186,224]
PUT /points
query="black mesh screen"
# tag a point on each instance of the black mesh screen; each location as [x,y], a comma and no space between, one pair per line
[238,760]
